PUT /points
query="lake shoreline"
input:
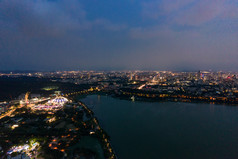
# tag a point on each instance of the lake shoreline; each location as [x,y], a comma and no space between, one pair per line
[172,131]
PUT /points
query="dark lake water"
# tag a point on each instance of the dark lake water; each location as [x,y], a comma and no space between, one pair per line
[146,130]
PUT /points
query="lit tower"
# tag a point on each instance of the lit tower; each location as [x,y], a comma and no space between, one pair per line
[26,97]
[131,77]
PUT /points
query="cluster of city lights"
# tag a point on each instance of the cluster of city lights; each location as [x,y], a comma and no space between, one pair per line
[53,104]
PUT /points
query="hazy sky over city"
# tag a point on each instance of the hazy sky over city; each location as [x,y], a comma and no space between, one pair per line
[118,35]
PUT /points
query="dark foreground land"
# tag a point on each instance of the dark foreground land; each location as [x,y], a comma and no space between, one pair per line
[71,132]
[12,87]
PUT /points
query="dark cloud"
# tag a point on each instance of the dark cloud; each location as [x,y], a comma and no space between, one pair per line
[160,34]
[49,34]
[190,12]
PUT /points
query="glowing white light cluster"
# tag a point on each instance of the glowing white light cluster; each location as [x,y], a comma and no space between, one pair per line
[18,149]
[58,101]
[53,104]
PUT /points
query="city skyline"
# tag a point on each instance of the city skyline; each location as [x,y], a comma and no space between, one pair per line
[180,35]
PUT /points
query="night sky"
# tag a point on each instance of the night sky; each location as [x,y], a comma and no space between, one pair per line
[119,35]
